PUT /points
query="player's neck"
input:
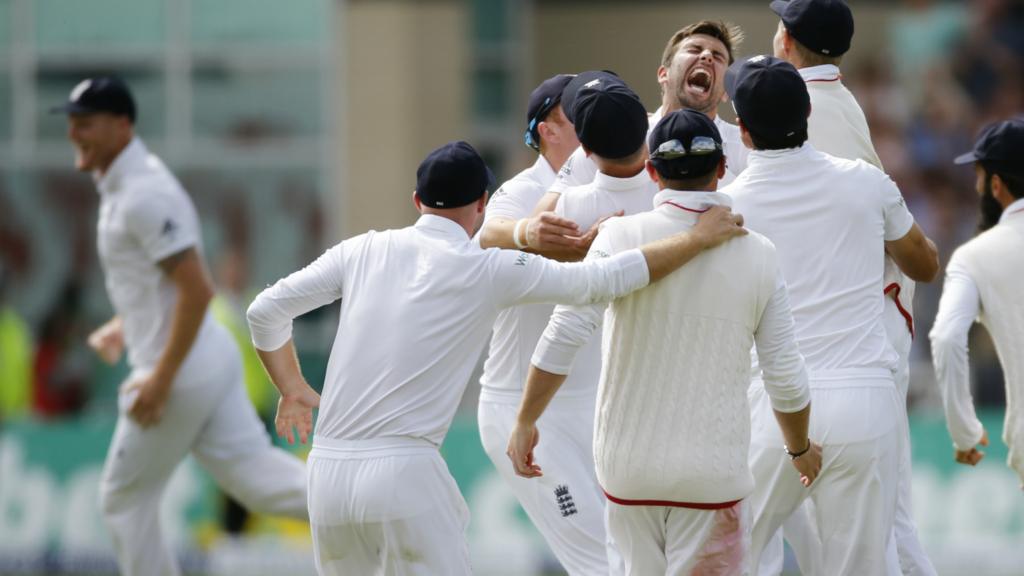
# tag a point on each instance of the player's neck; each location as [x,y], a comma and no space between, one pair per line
[669,105]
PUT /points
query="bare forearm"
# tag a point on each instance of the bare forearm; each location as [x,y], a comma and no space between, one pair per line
[540,388]
[282,366]
[187,318]
[794,426]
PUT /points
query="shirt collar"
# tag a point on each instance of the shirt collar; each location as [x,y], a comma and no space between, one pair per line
[822,73]
[542,170]
[445,226]
[613,184]
[691,203]
[133,154]
[1015,209]
[777,155]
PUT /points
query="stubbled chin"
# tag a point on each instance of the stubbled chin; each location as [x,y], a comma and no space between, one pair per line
[82,162]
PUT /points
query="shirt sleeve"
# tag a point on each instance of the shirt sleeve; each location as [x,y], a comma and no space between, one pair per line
[271,314]
[523,278]
[163,224]
[571,327]
[958,308]
[898,219]
[782,365]
[508,202]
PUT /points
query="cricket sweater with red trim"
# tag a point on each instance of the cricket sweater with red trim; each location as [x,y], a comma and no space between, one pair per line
[672,423]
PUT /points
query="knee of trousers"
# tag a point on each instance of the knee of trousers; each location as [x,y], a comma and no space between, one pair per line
[119,502]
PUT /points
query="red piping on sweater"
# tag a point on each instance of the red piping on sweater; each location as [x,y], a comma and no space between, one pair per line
[895,289]
[691,505]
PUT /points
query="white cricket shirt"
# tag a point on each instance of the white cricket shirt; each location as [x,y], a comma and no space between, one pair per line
[829,218]
[417,306]
[837,125]
[983,282]
[579,169]
[518,328]
[145,216]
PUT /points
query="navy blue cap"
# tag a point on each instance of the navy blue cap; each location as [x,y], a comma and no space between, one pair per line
[570,90]
[454,175]
[107,94]
[610,119]
[999,146]
[823,26]
[542,101]
[769,96]
[685,144]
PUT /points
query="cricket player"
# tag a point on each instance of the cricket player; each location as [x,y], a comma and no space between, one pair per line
[568,509]
[983,281]
[417,305]
[813,35]
[832,221]
[691,76]
[185,393]
[677,366]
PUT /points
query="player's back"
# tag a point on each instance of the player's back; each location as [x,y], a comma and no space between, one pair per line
[829,218]
[433,285]
[837,125]
[605,196]
[678,364]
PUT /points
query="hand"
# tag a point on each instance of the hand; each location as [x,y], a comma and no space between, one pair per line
[973,456]
[549,231]
[808,464]
[108,341]
[718,225]
[295,411]
[151,394]
[587,239]
[521,443]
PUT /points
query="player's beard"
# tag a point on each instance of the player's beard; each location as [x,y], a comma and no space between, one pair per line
[991,210]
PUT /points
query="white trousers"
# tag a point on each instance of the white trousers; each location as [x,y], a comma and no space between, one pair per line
[566,504]
[857,422]
[386,506]
[209,415]
[905,554]
[658,540]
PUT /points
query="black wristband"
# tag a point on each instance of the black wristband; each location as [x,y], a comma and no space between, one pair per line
[795,455]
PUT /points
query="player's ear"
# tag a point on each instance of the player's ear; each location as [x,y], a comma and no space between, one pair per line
[416,202]
[481,204]
[651,171]
[721,168]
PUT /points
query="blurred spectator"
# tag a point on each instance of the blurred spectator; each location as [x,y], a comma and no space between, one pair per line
[15,357]
[62,364]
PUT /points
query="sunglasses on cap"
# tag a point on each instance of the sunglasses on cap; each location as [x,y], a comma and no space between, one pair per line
[547,106]
[672,149]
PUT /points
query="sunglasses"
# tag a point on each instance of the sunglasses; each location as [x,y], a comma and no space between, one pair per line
[699,146]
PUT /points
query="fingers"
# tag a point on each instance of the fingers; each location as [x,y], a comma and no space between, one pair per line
[551,223]
[969,457]
[984,438]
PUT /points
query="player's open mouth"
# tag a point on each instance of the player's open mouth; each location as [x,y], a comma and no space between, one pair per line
[699,81]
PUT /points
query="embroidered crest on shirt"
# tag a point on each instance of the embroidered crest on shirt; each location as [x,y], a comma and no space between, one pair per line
[565,504]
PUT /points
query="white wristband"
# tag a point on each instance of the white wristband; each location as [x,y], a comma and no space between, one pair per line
[515,234]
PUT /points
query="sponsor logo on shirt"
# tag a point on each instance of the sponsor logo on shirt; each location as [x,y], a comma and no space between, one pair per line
[566,170]
[564,500]
[169,229]
[598,253]
[499,192]
[522,259]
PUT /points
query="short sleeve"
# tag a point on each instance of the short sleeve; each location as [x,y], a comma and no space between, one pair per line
[163,223]
[510,201]
[898,219]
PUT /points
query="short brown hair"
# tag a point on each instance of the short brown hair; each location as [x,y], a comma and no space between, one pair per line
[729,34]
